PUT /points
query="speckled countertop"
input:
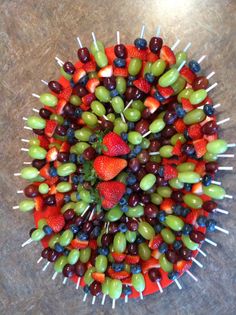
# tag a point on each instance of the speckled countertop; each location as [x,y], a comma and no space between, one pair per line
[31,34]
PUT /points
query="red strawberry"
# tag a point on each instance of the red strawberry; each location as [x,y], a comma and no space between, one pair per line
[148,264]
[197,188]
[60,106]
[170,172]
[56,222]
[118,257]
[127,281]
[105,72]
[151,57]
[167,205]
[156,254]
[110,193]
[78,244]
[177,148]
[115,145]
[52,154]
[88,99]
[167,55]
[44,171]
[51,180]
[108,167]
[191,218]
[110,54]
[43,142]
[200,147]
[187,74]
[180,125]
[38,203]
[134,52]
[186,104]
[131,259]
[92,84]
[155,242]
[98,276]
[200,168]
[166,92]
[93,244]
[182,265]
[59,199]
[120,275]
[142,85]
[90,66]
[152,104]
[65,147]
[65,94]
[79,74]
[120,72]
[50,128]
[194,131]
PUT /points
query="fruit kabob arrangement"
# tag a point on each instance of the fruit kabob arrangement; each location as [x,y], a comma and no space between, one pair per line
[122,182]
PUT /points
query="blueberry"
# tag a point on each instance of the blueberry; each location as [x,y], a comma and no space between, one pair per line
[72,83]
[86,289]
[78,112]
[93,138]
[140,43]
[161,216]
[157,136]
[117,266]
[131,125]
[58,248]
[67,198]
[96,232]
[73,158]
[177,209]
[160,171]
[66,123]
[129,191]
[185,212]
[180,112]
[74,228]
[81,179]
[140,239]
[131,179]
[66,252]
[123,227]
[211,225]
[206,180]
[114,93]
[187,229]
[83,236]
[135,269]
[126,290]
[53,172]
[71,140]
[78,196]
[158,227]
[163,248]
[173,275]
[186,135]
[123,201]
[120,63]
[124,136]
[177,245]
[47,230]
[103,251]
[158,97]
[194,66]
[208,110]
[81,159]
[83,81]
[137,149]
[75,179]
[149,77]
[202,221]
[70,132]
[187,186]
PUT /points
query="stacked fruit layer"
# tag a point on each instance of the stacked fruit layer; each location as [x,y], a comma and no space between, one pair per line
[123,163]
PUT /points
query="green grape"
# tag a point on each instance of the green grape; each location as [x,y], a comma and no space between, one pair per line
[158,67]
[189,177]
[73,256]
[189,243]
[115,289]
[26,205]
[134,137]
[178,86]
[168,236]
[83,134]
[118,104]
[174,222]
[184,94]
[106,285]
[193,201]
[89,118]
[194,116]
[131,236]
[80,147]
[101,263]
[36,122]
[42,223]
[37,235]
[145,144]
[75,100]
[102,94]
[146,230]
[48,99]
[147,182]
[98,108]
[95,47]
[122,177]
[73,196]
[93,75]
[197,96]
[169,77]
[166,151]
[111,117]
[34,141]
[53,240]
[120,126]
[88,279]
[144,251]
[132,114]
[60,264]
[214,191]
[29,172]
[101,59]
[135,66]
[64,187]
[66,169]
[85,254]
[156,199]
[119,242]
[114,214]
[180,57]
[68,205]
[157,125]
[58,118]
[218,146]
[85,196]
[120,85]
[66,237]
[135,212]
[80,206]
[164,192]
[186,167]
[65,75]
[175,183]
[209,157]
[177,137]
[137,104]
[147,68]
[138,282]
[165,264]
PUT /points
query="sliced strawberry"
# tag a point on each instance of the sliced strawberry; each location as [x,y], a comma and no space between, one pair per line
[38,203]
[187,106]
[166,92]
[127,281]
[65,94]
[51,180]
[78,244]
[59,199]
[53,190]
[89,66]
[50,128]
[181,266]
[105,72]
[120,275]
[79,74]
[110,54]
[152,104]
[155,242]
[200,147]
[43,142]
[84,108]
[120,72]
[195,132]
[200,168]
[60,106]
[167,55]
[134,52]
[52,154]
[210,137]
[180,125]
[187,74]
[150,263]
[65,147]
[151,57]
[132,259]
[92,84]
[167,205]
[44,171]
[88,99]
[98,276]
[142,85]
[177,148]
[191,218]
[197,188]
[118,257]
[156,254]
[170,172]
[56,222]
[93,244]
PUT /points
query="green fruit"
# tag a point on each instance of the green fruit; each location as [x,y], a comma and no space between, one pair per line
[146,230]
[119,242]
[174,222]
[147,182]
